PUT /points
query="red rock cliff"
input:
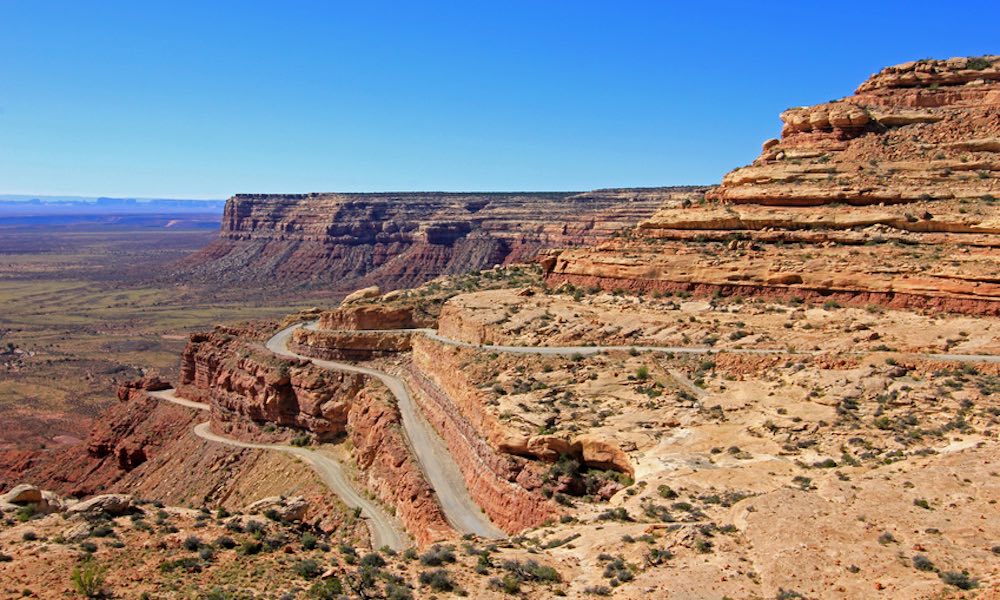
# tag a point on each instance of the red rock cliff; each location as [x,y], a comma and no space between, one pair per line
[347,241]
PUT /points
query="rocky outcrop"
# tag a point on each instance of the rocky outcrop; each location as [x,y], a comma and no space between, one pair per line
[389,469]
[341,242]
[858,202]
[249,389]
[245,382]
[285,509]
[507,485]
[136,389]
[370,316]
[918,131]
[349,345]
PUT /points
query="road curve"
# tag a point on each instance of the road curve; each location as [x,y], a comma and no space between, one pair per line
[431,452]
[384,529]
[587,350]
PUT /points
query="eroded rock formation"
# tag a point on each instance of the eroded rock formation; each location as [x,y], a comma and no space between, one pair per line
[345,241]
[888,196]
[243,382]
[388,467]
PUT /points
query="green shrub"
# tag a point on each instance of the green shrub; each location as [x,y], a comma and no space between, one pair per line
[301,440]
[188,564]
[192,543]
[922,563]
[307,569]
[250,547]
[88,578]
[309,541]
[437,555]
[328,589]
[397,591]
[978,63]
[25,513]
[438,580]
[960,580]
[373,560]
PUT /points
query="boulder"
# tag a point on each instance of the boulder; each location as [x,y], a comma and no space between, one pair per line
[110,504]
[286,509]
[362,294]
[602,454]
[22,494]
[77,532]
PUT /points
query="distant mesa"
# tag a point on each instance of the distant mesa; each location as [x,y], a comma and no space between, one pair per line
[343,242]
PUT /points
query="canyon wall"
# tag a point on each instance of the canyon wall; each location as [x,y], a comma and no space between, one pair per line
[389,468]
[505,485]
[889,196]
[345,241]
[256,395]
[247,386]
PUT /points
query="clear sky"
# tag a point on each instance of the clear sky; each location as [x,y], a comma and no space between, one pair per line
[209,98]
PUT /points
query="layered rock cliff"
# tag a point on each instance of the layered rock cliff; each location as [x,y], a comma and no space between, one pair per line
[346,241]
[256,395]
[248,386]
[888,196]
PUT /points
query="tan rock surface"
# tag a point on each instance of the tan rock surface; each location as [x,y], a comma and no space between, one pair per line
[885,197]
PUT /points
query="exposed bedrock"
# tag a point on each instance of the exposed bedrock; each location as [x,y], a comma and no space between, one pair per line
[504,469]
[349,345]
[249,389]
[389,469]
[342,242]
[370,316]
[244,382]
[889,196]
[918,131]
[497,482]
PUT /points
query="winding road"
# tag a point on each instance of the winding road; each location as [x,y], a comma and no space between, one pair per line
[430,450]
[589,350]
[586,350]
[385,530]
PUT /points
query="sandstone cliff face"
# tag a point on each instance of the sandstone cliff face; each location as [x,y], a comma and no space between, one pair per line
[889,196]
[349,345]
[245,382]
[249,389]
[388,467]
[346,241]
[507,486]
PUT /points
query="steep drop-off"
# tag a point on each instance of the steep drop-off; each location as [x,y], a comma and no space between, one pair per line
[256,395]
[345,241]
[889,196]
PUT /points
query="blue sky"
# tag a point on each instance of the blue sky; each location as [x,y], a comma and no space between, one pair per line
[210,98]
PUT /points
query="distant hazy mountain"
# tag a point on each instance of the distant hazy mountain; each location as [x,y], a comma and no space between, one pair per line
[24,205]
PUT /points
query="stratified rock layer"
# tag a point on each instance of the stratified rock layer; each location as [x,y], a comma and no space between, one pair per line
[246,383]
[889,196]
[345,241]
[250,391]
